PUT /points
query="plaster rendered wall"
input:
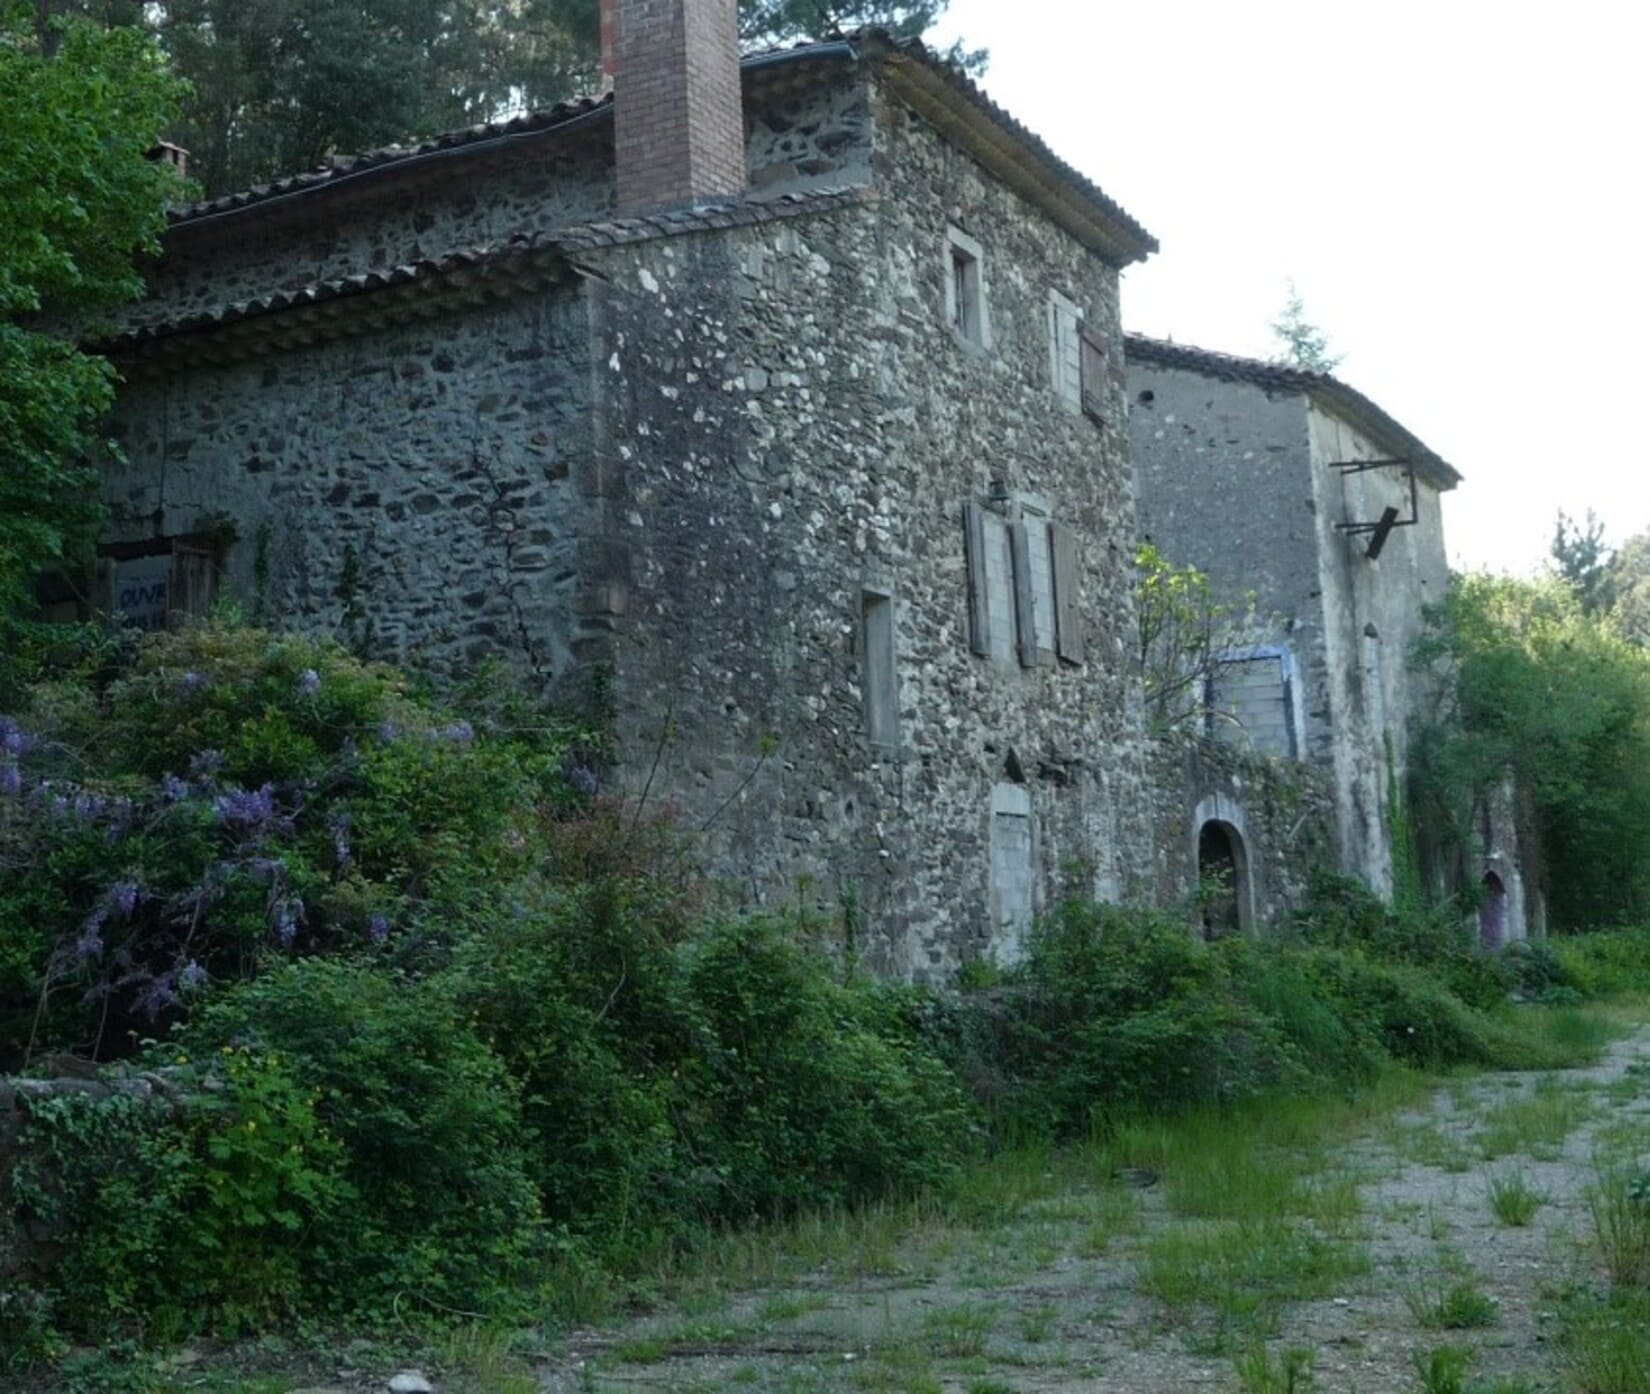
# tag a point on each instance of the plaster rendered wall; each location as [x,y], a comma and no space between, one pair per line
[1284,811]
[1372,617]
[791,421]
[1224,476]
[804,137]
[442,460]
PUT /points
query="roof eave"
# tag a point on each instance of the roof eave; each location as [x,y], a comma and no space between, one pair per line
[922,83]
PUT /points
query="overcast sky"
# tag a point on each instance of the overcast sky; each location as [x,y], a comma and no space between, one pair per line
[1458,189]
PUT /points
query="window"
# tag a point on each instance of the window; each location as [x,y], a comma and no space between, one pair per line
[1065,350]
[152,585]
[1251,702]
[965,302]
[1013,874]
[876,631]
[1023,584]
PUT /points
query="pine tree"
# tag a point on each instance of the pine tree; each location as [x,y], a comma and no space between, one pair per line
[1304,344]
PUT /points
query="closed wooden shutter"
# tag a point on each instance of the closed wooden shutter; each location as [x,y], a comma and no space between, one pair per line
[979,621]
[1068,605]
[194,583]
[1095,373]
[1025,610]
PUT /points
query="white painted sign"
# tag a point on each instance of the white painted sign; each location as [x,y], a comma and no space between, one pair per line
[141,587]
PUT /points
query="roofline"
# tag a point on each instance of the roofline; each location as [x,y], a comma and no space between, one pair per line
[1324,389]
[929,84]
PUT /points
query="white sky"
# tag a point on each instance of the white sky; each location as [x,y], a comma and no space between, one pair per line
[1459,190]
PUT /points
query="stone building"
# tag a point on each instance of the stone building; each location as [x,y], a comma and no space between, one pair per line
[772,408]
[1296,488]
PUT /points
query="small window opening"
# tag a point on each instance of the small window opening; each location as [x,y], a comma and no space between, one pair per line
[965,289]
[877,650]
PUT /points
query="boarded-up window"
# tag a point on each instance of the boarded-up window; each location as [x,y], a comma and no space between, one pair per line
[156,585]
[878,675]
[1068,604]
[1065,323]
[1096,373]
[992,625]
[1013,884]
[1251,704]
[1040,573]
[965,291]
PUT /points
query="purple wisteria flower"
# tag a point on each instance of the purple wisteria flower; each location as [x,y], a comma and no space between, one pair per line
[191,976]
[389,732]
[90,943]
[309,683]
[173,789]
[378,928]
[206,764]
[458,732]
[11,779]
[157,997]
[14,740]
[339,824]
[192,682]
[123,895]
[245,808]
[288,915]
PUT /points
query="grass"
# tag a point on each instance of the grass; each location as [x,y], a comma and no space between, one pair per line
[959,1332]
[1536,1124]
[1451,1303]
[1513,1200]
[1607,1343]
[1442,1370]
[1257,1374]
[1619,1208]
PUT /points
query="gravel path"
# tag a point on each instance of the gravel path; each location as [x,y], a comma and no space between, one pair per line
[1052,1298]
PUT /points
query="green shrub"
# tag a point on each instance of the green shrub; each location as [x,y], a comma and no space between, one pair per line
[171,1217]
[441,1199]
[229,796]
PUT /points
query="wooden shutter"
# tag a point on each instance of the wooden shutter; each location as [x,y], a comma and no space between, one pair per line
[1068,608]
[1025,612]
[194,583]
[979,620]
[1094,372]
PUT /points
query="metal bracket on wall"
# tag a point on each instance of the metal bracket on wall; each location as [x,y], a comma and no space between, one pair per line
[1381,529]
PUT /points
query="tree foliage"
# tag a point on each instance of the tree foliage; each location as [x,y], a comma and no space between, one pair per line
[1538,689]
[78,199]
[1583,559]
[1304,345]
[1184,630]
[277,86]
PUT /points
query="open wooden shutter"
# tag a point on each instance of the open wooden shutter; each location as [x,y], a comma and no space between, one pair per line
[1068,609]
[979,621]
[1095,373]
[1025,612]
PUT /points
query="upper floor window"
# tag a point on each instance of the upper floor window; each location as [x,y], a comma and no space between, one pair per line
[1065,350]
[1251,701]
[965,296]
[1023,584]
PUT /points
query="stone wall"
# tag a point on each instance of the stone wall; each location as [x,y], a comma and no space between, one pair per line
[1282,810]
[793,425]
[27,1245]
[417,490]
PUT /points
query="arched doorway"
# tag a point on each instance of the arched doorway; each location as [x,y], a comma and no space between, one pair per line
[1223,876]
[1492,912]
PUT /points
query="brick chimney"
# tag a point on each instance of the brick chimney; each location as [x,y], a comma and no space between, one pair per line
[679,123]
[163,152]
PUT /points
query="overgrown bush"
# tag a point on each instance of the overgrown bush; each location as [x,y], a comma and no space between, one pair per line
[225,797]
